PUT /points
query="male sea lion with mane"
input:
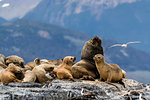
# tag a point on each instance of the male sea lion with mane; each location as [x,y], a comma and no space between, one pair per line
[86,68]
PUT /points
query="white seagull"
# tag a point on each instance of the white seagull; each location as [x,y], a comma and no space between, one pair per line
[124,45]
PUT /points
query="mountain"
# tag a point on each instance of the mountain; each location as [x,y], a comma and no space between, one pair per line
[2,20]
[30,39]
[120,20]
[16,8]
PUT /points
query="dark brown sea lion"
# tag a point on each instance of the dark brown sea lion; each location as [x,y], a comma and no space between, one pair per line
[86,68]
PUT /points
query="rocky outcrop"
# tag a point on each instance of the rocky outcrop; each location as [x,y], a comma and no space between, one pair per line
[64,90]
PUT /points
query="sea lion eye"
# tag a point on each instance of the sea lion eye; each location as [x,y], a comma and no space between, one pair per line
[71,58]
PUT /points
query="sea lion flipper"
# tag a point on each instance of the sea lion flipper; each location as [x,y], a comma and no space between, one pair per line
[87,77]
[109,77]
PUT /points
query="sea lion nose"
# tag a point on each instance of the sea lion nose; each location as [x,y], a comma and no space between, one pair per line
[51,68]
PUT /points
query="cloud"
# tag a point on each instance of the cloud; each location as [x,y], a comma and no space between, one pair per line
[124,53]
[5,5]
[17,35]
[15,49]
[44,34]
[76,41]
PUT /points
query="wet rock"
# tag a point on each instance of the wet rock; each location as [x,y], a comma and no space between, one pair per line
[64,90]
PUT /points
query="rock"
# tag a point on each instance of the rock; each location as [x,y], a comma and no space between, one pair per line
[63,90]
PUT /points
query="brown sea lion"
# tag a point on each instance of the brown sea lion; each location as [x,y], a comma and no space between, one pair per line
[8,74]
[123,72]
[56,62]
[86,68]
[63,71]
[15,60]
[2,59]
[31,65]
[29,76]
[107,72]
[41,71]
[2,62]
[36,62]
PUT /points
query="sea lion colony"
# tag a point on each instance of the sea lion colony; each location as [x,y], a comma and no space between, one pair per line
[91,66]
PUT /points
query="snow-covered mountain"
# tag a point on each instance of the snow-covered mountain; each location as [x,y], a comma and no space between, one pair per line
[120,20]
[57,11]
[10,9]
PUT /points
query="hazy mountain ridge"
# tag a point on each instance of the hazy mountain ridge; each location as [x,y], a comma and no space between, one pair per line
[30,39]
[2,20]
[127,21]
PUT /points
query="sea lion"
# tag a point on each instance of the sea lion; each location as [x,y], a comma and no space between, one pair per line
[36,62]
[2,62]
[107,72]
[63,71]
[86,68]
[56,62]
[20,75]
[41,71]
[123,72]
[15,60]
[29,65]
[2,59]
[29,76]
[8,74]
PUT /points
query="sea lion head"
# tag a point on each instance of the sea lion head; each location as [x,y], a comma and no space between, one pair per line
[98,58]
[69,59]
[48,67]
[96,41]
[14,69]
[15,60]
[37,61]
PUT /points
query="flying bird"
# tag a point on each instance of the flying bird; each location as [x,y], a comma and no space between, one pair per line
[125,44]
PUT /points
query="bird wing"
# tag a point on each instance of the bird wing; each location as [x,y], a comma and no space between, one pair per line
[134,42]
[115,45]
